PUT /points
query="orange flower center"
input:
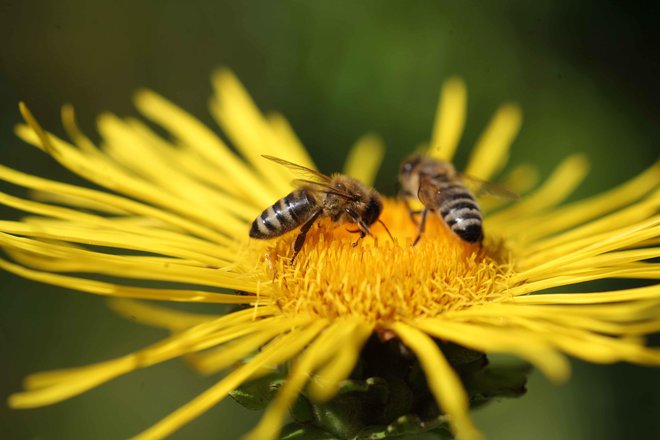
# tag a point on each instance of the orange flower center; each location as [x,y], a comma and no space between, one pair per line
[382,280]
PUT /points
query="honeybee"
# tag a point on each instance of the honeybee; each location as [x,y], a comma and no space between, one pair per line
[340,198]
[441,189]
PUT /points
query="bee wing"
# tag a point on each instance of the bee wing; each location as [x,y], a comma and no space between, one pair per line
[426,181]
[307,172]
[323,187]
[485,187]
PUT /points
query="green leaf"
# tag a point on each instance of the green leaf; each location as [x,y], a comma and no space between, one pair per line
[295,431]
[499,380]
[343,416]
[375,388]
[302,410]
[407,426]
[258,393]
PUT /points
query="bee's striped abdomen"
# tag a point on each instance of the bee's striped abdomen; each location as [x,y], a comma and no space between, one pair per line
[285,215]
[460,211]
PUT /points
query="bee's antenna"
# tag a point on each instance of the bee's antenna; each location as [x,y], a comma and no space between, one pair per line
[386,229]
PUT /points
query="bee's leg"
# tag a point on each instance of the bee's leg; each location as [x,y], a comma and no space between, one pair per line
[362,235]
[357,231]
[411,212]
[364,229]
[300,239]
[422,225]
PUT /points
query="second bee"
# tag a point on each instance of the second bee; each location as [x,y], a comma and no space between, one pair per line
[439,187]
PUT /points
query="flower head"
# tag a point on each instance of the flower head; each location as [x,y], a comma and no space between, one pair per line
[174,211]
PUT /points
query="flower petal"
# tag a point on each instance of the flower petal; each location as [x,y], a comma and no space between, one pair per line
[285,348]
[442,379]
[449,119]
[365,158]
[492,150]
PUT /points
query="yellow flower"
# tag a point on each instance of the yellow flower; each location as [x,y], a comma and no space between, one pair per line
[176,211]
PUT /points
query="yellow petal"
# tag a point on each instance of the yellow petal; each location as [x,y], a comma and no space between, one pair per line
[640,293]
[314,356]
[157,316]
[443,381]
[500,338]
[364,159]
[449,119]
[327,380]
[492,150]
[200,138]
[286,347]
[116,290]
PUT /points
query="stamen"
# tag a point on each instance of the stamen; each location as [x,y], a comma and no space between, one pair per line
[375,280]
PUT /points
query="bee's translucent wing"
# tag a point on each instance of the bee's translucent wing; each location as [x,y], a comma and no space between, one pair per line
[304,171]
[483,187]
[324,188]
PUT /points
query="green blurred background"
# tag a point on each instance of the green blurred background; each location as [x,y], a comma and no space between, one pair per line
[584,72]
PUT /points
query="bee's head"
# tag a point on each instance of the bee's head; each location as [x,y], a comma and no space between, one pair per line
[373,209]
[409,164]
[408,177]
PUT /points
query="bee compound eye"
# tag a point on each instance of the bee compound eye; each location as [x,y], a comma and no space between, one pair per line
[373,210]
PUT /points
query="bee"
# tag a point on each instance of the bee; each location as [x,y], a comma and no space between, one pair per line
[340,198]
[441,189]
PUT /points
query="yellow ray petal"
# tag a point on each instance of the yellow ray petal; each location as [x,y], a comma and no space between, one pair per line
[624,311]
[115,265]
[76,202]
[590,346]
[157,316]
[203,335]
[294,148]
[72,130]
[492,150]
[543,263]
[614,260]
[442,379]
[597,206]
[128,267]
[543,283]
[65,257]
[99,169]
[314,356]
[245,136]
[124,204]
[365,158]
[520,180]
[53,386]
[116,290]
[93,376]
[498,314]
[286,347]
[590,232]
[327,380]
[153,163]
[563,181]
[110,237]
[249,131]
[640,293]
[500,339]
[187,158]
[146,232]
[449,119]
[224,356]
[199,137]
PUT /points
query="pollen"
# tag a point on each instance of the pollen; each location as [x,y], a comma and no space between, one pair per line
[384,280]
